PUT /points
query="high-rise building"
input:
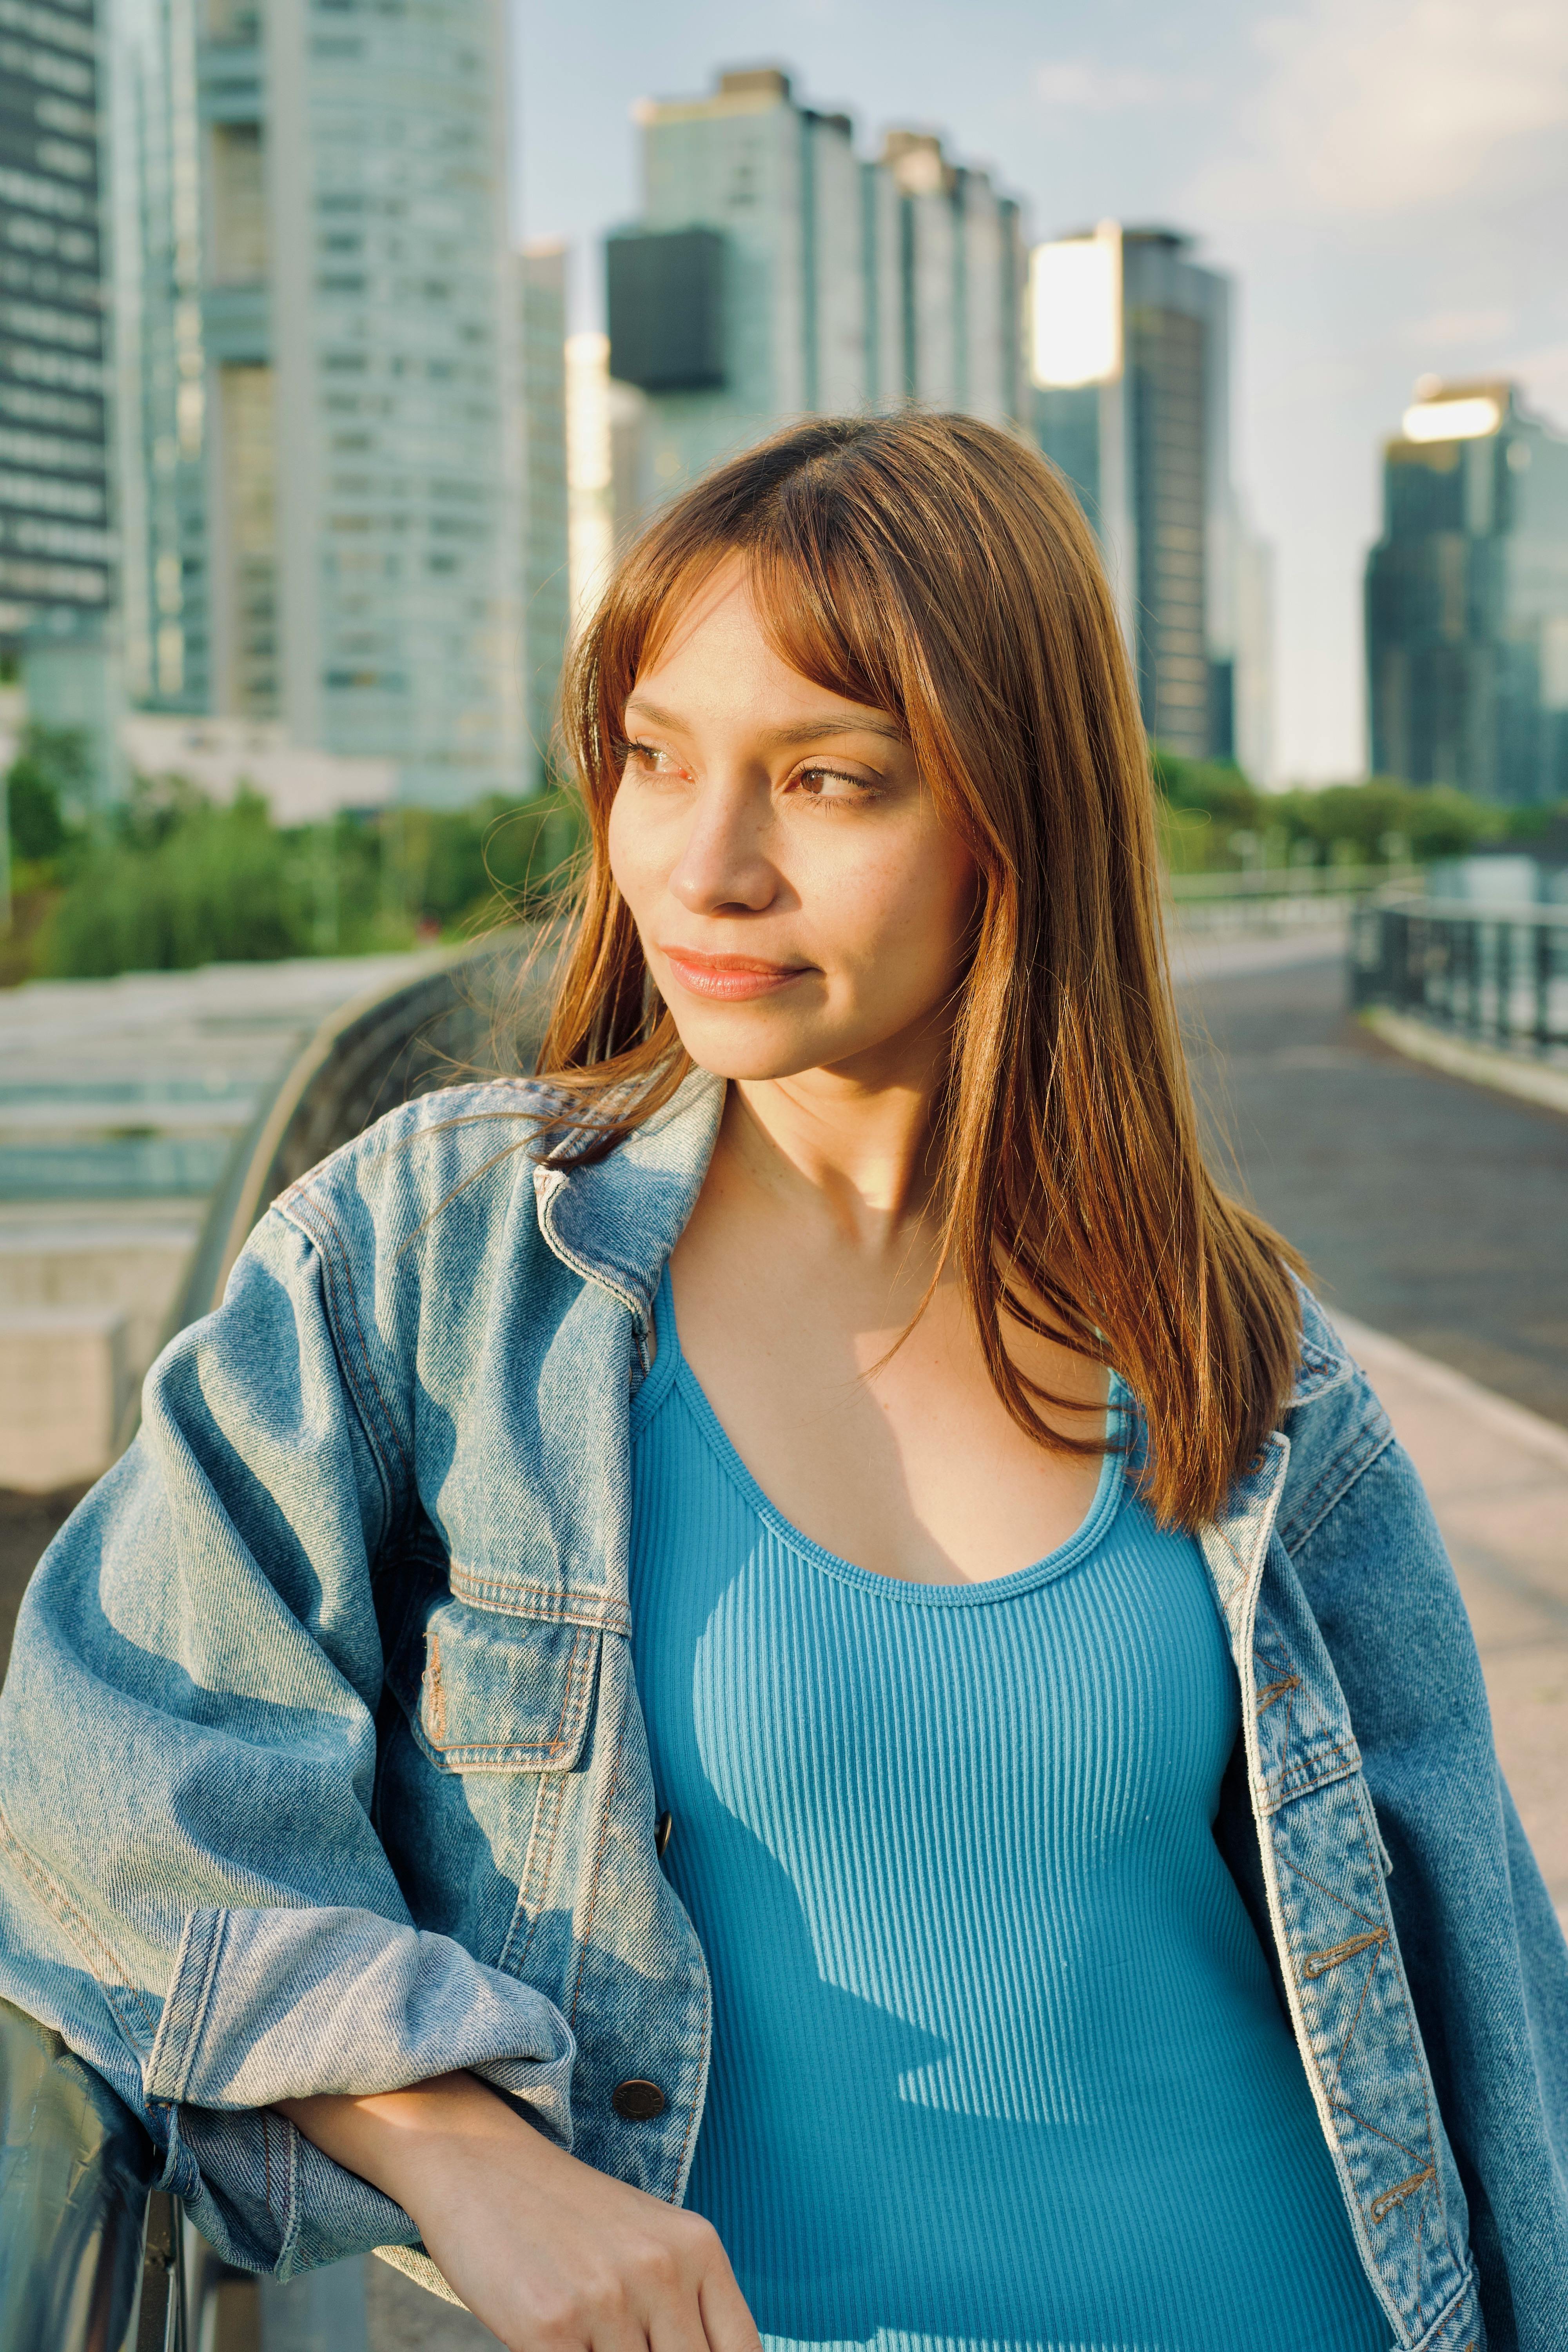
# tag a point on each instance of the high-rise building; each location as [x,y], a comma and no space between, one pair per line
[774,274]
[547,599]
[604,468]
[1466,598]
[319,361]
[56,542]
[1129,367]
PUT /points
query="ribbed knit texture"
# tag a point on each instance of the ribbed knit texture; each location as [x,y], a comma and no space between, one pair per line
[996,2059]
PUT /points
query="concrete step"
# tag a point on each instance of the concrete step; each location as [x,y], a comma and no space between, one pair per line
[121,1264]
[64,1382]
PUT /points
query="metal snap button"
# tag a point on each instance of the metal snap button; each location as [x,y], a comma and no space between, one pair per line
[661,1829]
[638,2102]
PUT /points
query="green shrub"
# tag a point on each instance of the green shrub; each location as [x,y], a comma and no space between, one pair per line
[213,886]
[1204,806]
[171,881]
[46,781]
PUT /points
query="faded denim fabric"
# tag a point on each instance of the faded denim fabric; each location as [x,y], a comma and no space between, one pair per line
[322,1767]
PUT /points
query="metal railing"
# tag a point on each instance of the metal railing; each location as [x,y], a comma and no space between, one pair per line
[92,2259]
[1498,974]
[1269,899]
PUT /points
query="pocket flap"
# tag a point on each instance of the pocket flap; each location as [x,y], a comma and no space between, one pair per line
[504,1693]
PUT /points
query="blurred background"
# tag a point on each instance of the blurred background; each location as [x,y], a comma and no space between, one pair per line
[344,343]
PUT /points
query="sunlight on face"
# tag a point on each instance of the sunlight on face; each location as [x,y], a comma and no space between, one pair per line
[800,902]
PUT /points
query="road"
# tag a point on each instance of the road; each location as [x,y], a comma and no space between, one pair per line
[1426,1207]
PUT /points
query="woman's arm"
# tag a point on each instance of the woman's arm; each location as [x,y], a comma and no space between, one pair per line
[192,1886]
[551,2255]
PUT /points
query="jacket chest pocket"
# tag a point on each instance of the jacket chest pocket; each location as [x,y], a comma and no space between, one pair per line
[503,1693]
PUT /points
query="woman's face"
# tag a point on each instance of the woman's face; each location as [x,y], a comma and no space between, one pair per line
[800,903]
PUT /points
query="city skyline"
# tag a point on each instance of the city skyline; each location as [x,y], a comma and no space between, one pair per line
[1384,182]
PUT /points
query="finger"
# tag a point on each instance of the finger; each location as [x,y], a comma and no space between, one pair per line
[728,2325]
[677,2326]
[619,2336]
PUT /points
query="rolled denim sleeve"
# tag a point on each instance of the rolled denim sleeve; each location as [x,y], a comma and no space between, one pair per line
[192,1889]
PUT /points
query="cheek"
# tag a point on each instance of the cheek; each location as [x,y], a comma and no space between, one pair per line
[913,911]
[633,854]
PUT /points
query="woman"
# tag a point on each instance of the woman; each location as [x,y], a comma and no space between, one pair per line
[809,1576]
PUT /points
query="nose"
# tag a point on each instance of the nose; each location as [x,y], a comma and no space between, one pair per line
[723,869]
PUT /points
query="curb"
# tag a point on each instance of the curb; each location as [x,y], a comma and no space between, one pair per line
[1482,1066]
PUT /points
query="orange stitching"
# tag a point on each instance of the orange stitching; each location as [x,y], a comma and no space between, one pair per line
[1308,1880]
[612,1616]
[1271,1691]
[1381,2207]
[1342,1751]
[436,1689]
[1317,1964]
[1418,2050]
[1344,2107]
[572,1701]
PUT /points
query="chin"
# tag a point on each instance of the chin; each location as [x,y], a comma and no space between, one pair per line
[722,1048]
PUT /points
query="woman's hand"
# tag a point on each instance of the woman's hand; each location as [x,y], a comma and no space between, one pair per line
[551,2255]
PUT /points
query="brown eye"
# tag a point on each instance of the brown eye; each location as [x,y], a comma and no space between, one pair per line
[832,784]
[645,756]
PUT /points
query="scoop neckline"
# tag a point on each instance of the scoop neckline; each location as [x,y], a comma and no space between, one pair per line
[672,1373]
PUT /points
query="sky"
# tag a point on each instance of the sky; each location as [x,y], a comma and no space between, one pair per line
[1386,179]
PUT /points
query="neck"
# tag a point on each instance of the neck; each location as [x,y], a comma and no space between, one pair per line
[860,1151]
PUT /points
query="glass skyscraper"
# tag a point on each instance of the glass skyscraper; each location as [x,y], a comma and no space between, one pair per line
[547,592]
[1466,598]
[1130,362]
[56,551]
[321,358]
[775,274]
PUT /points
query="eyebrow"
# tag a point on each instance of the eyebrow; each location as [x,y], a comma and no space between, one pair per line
[808,730]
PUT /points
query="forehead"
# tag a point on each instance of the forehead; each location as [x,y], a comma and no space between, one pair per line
[713,649]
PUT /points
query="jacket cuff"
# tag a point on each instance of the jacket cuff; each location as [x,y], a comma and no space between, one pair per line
[277,2004]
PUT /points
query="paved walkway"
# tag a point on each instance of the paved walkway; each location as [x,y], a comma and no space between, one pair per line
[1429,1208]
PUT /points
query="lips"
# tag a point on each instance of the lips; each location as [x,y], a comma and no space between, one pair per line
[729,978]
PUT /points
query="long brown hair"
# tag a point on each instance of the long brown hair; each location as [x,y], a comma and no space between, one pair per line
[936,569]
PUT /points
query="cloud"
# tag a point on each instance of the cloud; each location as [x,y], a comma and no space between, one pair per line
[1089,88]
[1381,106]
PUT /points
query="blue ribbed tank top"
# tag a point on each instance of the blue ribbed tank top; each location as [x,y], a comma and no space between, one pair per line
[996,2058]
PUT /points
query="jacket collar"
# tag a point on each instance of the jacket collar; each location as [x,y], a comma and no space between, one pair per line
[1324,1361]
[616,1221]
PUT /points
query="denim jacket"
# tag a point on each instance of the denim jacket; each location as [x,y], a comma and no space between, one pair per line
[322,1767]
